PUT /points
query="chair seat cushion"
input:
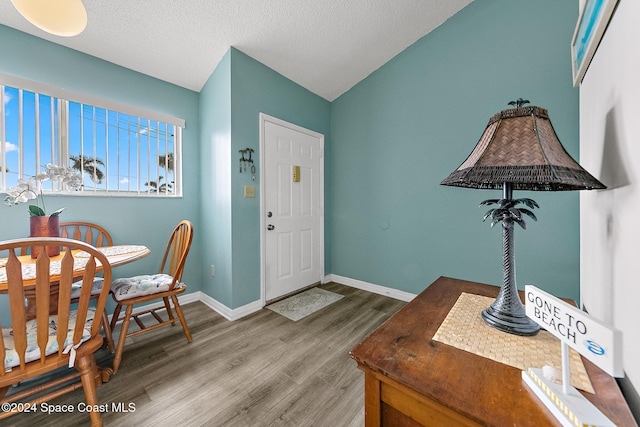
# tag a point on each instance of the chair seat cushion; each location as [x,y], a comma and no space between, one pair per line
[96,288]
[11,358]
[138,286]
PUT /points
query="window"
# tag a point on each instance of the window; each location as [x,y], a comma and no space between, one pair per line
[115,151]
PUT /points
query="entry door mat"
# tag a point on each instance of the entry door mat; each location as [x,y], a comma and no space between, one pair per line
[464,328]
[305,303]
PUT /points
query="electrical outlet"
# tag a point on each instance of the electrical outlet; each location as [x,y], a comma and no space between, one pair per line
[213,270]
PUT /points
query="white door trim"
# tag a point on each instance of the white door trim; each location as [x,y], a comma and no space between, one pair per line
[263,215]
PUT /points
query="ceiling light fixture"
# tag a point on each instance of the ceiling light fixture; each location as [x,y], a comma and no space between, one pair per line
[66,18]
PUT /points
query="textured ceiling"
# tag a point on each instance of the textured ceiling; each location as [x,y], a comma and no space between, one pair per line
[326,46]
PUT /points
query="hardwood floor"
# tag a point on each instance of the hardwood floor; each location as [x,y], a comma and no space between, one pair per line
[262,370]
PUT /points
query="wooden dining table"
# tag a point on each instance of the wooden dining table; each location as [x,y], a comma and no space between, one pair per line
[117,255]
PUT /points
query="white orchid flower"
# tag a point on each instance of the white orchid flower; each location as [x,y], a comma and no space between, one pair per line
[27,184]
[42,176]
[25,196]
[30,189]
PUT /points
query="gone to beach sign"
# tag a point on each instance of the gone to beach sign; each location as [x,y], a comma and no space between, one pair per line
[589,337]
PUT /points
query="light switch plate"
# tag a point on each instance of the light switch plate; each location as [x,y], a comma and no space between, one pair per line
[249,191]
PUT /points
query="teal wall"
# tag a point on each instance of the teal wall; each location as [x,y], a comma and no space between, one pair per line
[129,220]
[389,141]
[247,88]
[215,181]
[257,89]
[402,130]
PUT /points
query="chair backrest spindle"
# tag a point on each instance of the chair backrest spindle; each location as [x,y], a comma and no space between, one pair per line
[87,232]
[176,252]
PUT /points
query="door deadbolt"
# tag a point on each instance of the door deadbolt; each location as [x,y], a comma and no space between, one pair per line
[269,214]
[270,227]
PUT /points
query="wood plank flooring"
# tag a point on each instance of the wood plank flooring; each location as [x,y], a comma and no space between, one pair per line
[262,370]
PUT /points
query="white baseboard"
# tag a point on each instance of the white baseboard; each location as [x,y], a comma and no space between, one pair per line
[370,287]
[245,310]
[212,303]
[232,314]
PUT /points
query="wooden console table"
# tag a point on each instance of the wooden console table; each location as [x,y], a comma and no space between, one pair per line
[411,380]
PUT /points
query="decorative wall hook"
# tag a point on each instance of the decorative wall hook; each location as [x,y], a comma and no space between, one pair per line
[245,160]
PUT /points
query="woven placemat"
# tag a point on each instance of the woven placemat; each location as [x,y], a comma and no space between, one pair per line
[114,250]
[464,328]
[29,270]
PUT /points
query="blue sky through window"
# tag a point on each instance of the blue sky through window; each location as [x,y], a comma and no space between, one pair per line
[121,152]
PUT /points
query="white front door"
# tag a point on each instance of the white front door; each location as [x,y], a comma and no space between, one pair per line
[292,194]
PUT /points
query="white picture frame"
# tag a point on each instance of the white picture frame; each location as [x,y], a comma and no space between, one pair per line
[593,19]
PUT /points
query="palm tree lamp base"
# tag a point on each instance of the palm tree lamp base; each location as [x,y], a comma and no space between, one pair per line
[506,321]
[507,313]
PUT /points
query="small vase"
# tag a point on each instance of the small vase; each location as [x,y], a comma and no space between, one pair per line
[45,226]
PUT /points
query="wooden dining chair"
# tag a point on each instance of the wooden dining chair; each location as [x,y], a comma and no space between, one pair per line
[87,232]
[97,236]
[33,348]
[166,285]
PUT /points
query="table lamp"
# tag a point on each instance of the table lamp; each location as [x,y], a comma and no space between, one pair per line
[519,150]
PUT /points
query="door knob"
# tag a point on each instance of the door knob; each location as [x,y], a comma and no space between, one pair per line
[270,227]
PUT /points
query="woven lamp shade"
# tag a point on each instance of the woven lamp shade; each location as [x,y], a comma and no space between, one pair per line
[519,146]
